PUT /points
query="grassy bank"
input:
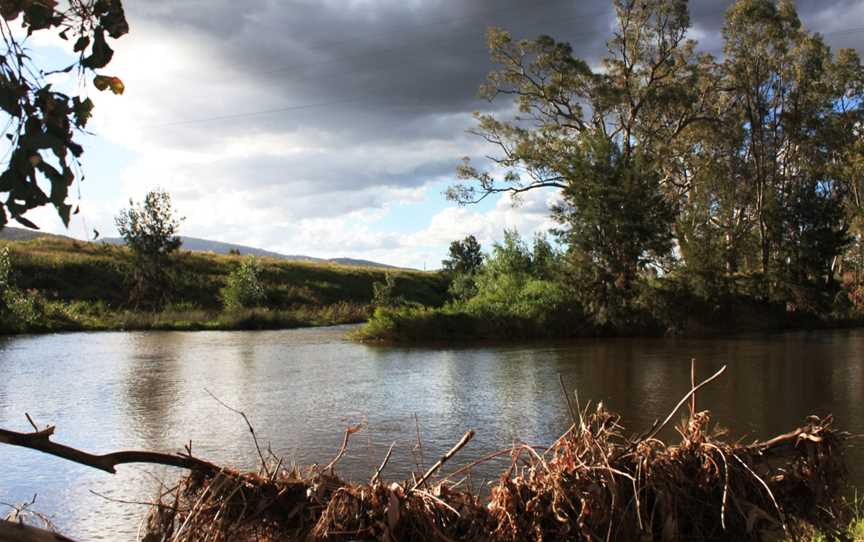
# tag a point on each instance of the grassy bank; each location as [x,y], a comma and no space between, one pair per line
[72,286]
[663,307]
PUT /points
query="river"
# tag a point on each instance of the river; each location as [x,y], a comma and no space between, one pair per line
[302,388]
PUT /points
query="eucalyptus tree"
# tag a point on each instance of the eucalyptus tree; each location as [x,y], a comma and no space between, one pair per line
[785,105]
[612,141]
[42,122]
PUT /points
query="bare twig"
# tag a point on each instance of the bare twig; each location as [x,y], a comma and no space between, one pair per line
[123,501]
[383,464]
[692,391]
[29,419]
[770,494]
[251,430]
[569,403]
[344,448]
[419,446]
[453,451]
[692,385]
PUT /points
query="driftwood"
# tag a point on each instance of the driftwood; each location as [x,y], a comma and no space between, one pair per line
[592,483]
[41,442]
[13,531]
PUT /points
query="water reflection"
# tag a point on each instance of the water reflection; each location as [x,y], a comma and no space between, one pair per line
[301,388]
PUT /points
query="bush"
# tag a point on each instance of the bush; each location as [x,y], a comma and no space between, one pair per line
[244,289]
[384,293]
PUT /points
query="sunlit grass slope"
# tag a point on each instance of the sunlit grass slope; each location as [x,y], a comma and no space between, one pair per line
[85,286]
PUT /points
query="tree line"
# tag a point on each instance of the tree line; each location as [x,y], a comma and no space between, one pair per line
[743,172]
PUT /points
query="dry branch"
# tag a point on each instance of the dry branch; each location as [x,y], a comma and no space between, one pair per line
[41,442]
[444,458]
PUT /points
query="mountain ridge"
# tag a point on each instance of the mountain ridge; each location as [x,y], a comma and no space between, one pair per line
[197,244]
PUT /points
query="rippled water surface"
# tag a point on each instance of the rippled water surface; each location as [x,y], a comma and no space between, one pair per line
[301,388]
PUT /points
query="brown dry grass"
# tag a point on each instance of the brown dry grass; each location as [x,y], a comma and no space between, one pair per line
[593,483]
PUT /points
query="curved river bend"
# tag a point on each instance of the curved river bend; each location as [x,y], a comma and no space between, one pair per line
[301,388]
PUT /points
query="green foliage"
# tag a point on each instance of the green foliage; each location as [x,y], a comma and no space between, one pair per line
[42,122]
[466,257]
[149,229]
[616,218]
[519,281]
[465,261]
[244,289]
[750,164]
[82,286]
[462,287]
[22,311]
[384,292]
[16,308]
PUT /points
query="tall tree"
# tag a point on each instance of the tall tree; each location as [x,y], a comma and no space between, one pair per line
[614,142]
[781,93]
[466,256]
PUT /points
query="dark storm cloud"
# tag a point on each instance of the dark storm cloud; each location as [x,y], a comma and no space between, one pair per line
[404,59]
[370,81]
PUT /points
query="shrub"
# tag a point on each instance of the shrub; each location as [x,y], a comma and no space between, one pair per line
[384,293]
[244,289]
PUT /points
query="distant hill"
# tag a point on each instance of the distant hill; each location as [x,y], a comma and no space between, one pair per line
[195,244]
[21,234]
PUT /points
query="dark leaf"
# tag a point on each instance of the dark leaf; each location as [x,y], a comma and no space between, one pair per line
[9,100]
[110,13]
[10,10]
[82,110]
[24,222]
[101,54]
[9,180]
[64,210]
[40,15]
[81,44]
[76,149]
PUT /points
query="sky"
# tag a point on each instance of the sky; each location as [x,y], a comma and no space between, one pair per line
[329,128]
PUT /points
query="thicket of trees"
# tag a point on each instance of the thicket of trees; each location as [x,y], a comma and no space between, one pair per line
[737,174]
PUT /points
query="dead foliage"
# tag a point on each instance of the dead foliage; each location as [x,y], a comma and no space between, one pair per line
[593,483]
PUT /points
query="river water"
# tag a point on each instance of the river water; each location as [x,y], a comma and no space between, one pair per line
[302,388]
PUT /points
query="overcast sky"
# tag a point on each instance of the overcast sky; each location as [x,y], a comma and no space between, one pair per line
[331,127]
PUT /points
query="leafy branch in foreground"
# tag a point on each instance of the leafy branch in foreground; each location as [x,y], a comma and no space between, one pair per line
[42,122]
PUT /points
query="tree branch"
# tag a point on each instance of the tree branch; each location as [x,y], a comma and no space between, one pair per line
[41,442]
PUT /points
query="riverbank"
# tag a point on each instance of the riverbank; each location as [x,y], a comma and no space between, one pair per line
[455,323]
[79,286]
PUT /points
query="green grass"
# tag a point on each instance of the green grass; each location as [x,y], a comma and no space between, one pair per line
[456,323]
[84,286]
